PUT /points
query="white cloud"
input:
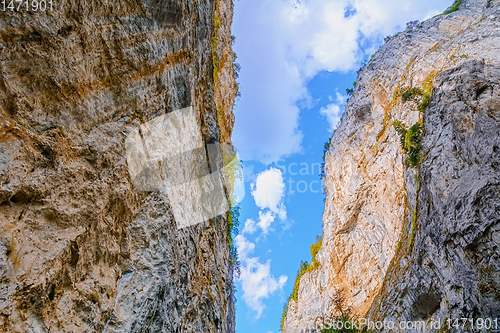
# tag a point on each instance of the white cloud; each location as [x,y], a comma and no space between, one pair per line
[250,227]
[257,282]
[281,45]
[265,220]
[243,246]
[256,279]
[268,191]
[333,111]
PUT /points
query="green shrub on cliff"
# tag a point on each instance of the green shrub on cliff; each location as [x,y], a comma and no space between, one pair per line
[424,104]
[314,251]
[304,268]
[232,230]
[411,93]
[418,95]
[283,316]
[410,140]
[453,8]
[326,147]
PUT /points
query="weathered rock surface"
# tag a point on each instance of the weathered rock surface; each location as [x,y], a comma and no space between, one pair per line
[446,264]
[81,249]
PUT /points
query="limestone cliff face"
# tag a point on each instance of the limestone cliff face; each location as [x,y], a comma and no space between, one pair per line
[415,243]
[81,249]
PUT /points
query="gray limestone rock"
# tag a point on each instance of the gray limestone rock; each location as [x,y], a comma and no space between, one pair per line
[82,249]
[415,244]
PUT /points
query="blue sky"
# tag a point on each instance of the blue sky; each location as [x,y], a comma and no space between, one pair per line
[297,59]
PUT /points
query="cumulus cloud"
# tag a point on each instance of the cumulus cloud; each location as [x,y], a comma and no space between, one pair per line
[250,227]
[333,111]
[281,45]
[256,279]
[268,191]
[265,220]
[243,246]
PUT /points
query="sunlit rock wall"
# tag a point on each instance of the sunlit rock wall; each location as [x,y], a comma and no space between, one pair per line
[82,249]
[399,251]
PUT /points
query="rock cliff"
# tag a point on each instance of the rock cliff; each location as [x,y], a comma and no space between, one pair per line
[414,233]
[82,249]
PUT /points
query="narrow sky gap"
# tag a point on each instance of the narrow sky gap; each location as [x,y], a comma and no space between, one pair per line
[297,59]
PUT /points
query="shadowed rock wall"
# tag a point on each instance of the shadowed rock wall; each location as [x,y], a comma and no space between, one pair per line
[403,243]
[82,250]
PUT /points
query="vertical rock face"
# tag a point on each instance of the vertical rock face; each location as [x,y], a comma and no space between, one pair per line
[415,243]
[81,249]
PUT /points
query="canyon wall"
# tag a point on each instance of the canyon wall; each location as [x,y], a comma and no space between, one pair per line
[405,241]
[81,248]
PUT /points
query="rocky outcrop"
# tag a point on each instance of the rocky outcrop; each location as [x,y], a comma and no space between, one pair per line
[407,243]
[82,249]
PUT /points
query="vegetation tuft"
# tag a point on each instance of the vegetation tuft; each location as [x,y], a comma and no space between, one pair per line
[233,219]
[411,93]
[283,316]
[314,251]
[350,91]
[418,95]
[237,66]
[304,268]
[326,147]
[453,8]
[410,140]
[304,265]
[424,104]
[389,38]
[415,213]
[233,224]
